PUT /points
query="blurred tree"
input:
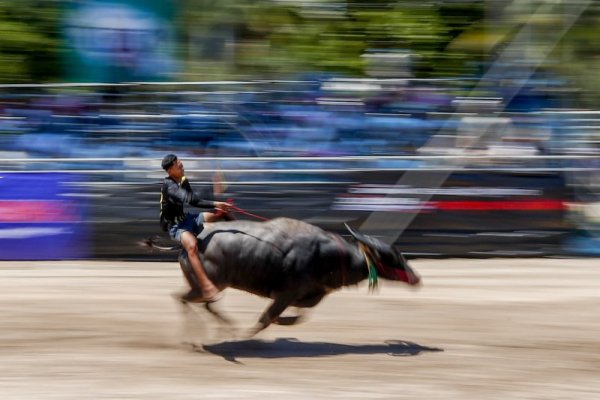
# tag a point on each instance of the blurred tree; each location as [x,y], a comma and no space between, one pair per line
[577,56]
[269,37]
[230,38]
[424,29]
[274,38]
[29,41]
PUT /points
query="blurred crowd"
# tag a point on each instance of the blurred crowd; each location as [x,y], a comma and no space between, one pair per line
[319,117]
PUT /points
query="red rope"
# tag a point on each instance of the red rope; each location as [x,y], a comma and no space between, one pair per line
[242,211]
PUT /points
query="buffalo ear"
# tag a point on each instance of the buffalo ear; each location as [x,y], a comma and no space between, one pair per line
[369,241]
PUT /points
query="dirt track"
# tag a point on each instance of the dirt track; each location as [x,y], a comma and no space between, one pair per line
[478,329]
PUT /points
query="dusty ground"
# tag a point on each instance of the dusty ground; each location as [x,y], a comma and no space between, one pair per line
[478,329]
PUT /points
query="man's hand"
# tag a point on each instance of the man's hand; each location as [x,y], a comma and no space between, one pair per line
[222,206]
[221,212]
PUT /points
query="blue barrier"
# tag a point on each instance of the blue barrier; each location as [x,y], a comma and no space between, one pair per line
[40,219]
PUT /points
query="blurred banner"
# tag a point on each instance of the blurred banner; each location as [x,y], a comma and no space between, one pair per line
[39,220]
[119,40]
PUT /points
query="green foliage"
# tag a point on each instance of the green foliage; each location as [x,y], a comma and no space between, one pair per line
[28,41]
[269,38]
[280,38]
[577,55]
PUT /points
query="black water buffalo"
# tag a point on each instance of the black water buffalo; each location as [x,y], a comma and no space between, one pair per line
[290,261]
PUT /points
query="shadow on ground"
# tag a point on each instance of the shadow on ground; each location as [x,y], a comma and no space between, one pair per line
[286,347]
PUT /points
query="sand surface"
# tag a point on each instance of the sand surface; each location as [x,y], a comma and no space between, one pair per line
[477,329]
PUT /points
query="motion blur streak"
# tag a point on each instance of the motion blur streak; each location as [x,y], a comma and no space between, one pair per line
[36,211]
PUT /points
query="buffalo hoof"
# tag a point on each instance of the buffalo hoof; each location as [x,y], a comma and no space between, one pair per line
[193,347]
[288,320]
[184,297]
[254,330]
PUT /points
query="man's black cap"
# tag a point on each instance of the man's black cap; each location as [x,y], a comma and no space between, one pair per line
[168,160]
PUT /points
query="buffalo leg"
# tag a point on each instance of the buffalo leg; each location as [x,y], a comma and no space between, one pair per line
[310,300]
[210,307]
[271,314]
[290,319]
[191,323]
[300,306]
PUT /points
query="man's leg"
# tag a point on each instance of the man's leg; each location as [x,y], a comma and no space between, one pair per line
[217,216]
[190,244]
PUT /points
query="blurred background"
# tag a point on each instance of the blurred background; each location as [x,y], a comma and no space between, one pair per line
[449,127]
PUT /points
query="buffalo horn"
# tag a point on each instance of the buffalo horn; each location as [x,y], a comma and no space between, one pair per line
[369,241]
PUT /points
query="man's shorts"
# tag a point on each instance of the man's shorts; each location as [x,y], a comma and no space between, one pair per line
[191,223]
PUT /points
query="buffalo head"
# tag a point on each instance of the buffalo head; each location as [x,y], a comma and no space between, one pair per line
[389,262]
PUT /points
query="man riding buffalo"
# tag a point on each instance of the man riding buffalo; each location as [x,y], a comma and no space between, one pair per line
[289,261]
[183,227]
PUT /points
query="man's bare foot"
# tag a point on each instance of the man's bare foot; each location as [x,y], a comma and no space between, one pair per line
[210,296]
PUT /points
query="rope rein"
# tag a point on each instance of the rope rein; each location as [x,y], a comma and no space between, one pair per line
[242,211]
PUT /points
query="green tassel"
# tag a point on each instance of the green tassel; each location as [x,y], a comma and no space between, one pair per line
[372,276]
[371,269]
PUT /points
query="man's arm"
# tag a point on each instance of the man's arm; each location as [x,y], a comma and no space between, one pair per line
[186,195]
